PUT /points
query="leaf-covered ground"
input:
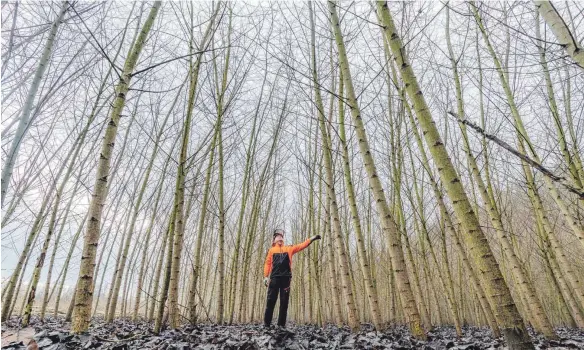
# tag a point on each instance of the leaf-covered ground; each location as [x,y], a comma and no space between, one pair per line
[54,335]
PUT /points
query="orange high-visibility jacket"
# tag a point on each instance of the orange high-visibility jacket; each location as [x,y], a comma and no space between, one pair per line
[279,260]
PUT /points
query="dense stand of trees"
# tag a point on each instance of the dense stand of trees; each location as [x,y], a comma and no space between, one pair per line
[149,149]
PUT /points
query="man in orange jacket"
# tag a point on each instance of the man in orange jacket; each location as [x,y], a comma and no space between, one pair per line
[278,273]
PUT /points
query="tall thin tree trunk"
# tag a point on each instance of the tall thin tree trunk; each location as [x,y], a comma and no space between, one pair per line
[67,261]
[525,287]
[9,292]
[250,156]
[84,294]
[370,289]
[158,323]
[179,210]
[40,263]
[221,109]
[388,224]
[397,166]
[332,263]
[331,194]
[508,317]
[146,242]
[423,229]
[196,272]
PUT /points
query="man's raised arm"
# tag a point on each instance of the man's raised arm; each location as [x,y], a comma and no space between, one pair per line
[298,247]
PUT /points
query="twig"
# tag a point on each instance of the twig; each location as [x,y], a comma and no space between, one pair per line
[116,68]
[559,179]
[173,59]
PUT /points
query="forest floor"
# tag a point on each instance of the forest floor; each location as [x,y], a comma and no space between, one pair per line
[54,334]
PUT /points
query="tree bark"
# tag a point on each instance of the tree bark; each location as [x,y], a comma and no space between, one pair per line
[388,224]
[508,316]
[84,294]
[561,31]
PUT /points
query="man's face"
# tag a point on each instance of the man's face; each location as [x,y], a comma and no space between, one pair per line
[279,240]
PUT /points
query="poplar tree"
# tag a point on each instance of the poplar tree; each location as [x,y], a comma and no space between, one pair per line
[84,293]
[508,317]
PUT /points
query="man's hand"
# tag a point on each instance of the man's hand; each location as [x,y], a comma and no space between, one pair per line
[314,238]
[266,281]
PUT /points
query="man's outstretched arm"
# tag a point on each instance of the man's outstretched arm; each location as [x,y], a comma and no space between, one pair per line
[298,247]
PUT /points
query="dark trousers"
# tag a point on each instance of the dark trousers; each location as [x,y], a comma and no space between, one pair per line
[277,285]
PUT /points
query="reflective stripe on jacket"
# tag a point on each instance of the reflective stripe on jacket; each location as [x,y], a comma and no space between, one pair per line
[279,260]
